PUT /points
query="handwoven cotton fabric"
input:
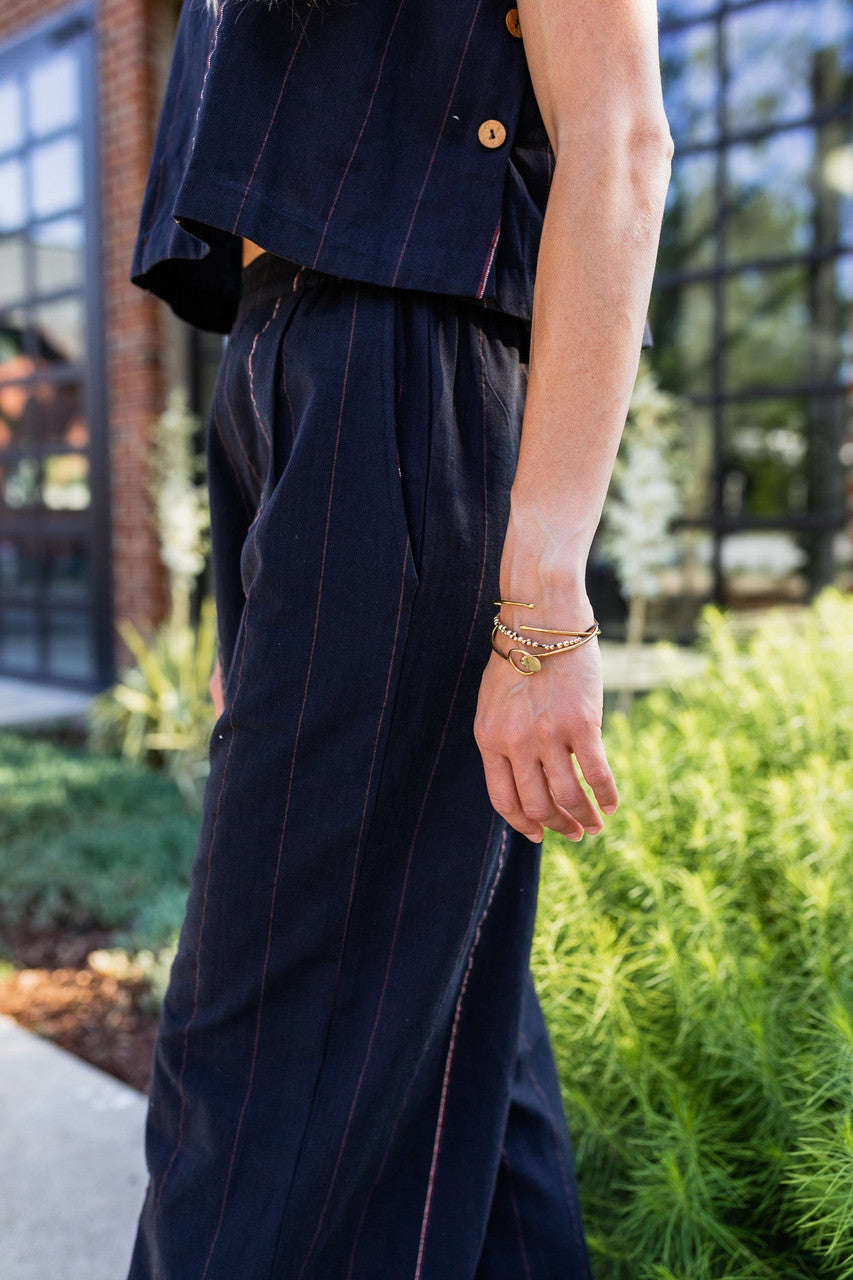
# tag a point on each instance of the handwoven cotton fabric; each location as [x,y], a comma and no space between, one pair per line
[352,1077]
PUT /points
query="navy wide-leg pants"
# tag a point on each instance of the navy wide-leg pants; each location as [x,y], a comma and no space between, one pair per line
[352,1077]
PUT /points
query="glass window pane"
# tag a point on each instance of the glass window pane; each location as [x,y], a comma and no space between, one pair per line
[785,60]
[20,485]
[771,205]
[68,565]
[58,253]
[47,561]
[766,328]
[54,92]
[14,363]
[57,175]
[844,285]
[782,327]
[833,195]
[681,318]
[70,649]
[766,445]
[59,331]
[44,414]
[698,446]
[20,565]
[18,639]
[11,116]
[57,483]
[12,277]
[683,10]
[59,568]
[764,566]
[789,192]
[688,71]
[13,205]
[65,482]
[687,235]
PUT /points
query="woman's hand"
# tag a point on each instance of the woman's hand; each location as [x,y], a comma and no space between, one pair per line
[535,733]
[595,71]
[214,685]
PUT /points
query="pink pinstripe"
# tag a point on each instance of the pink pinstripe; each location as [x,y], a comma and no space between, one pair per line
[408,1090]
[284,386]
[345,174]
[210,54]
[238,436]
[521,1248]
[205,894]
[238,479]
[439,1126]
[284,80]
[372,766]
[165,150]
[481,288]
[561,1155]
[356,862]
[448,1065]
[437,144]
[393,947]
[255,341]
[280,858]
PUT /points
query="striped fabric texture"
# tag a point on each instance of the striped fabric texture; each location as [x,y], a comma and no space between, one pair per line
[345,136]
[352,1077]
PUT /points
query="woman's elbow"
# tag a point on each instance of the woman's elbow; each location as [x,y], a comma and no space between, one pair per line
[648,149]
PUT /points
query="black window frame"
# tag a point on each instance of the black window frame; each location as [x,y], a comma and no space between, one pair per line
[821,525]
[75,25]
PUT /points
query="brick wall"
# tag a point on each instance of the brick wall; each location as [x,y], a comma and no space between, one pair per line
[130,38]
[129,99]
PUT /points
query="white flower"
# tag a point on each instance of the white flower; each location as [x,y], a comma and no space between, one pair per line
[646,499]
[179,492]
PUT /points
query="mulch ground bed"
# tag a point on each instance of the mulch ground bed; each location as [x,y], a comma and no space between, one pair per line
[56,992]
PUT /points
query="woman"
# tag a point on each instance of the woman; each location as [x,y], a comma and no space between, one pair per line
[352,1077]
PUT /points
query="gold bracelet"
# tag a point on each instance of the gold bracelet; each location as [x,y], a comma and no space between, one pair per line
[549,631]
[577,637]
[527,664]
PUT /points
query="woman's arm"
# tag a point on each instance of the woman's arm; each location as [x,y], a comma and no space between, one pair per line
[596,75]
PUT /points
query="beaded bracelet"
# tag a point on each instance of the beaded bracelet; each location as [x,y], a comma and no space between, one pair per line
[527,664]
[577,637]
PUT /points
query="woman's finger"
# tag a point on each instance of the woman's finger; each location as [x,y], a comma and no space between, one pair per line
[591,757]
[567,791]
[537,801]
[503,794]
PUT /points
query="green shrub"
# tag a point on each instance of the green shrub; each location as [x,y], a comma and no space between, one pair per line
[696,968]
[89,842]
[160,712]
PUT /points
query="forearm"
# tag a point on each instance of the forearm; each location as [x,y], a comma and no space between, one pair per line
[596,75]
[594,278]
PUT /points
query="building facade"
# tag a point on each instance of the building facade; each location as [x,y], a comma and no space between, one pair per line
[751,312]
[86,359]
[752,304]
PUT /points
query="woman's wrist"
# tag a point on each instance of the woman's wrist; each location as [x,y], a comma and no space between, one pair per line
[549,572]
[563,606]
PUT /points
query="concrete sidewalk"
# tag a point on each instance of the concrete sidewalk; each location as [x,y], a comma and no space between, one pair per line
[27,702]
[72,1172]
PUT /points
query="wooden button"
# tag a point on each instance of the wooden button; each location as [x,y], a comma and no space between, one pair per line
[492,134]
[513,23]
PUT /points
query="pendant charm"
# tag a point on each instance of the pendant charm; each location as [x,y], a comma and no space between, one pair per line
[524,662]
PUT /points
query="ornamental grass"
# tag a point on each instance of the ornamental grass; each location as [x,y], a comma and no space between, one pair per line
[695,964]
